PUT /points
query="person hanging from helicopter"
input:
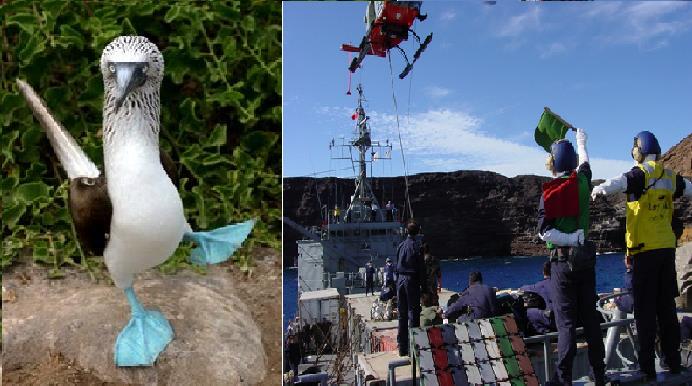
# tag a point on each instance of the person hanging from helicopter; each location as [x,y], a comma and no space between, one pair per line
[387,24]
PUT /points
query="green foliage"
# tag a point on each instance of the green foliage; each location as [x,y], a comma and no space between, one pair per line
[220,113]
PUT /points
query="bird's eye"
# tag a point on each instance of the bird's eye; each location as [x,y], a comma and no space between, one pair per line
[111,68]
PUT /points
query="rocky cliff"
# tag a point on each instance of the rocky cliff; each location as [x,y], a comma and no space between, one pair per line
[472,213]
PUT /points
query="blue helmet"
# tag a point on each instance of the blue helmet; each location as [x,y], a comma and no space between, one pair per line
[648,144]
[564,156]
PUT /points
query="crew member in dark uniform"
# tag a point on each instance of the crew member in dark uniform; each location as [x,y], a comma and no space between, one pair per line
[293,354]
[650,240]
[541,320]
[563,223]
[369,278]
[478,297]
[389,269]
[410,270]
[433,273]
[625,303]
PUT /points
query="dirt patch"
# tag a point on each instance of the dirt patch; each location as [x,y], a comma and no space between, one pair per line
[261,290]
[55,370]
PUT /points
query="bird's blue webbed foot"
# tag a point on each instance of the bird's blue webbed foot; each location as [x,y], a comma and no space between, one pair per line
[218,245]
[145,336]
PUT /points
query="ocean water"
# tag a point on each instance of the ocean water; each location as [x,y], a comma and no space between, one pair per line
[501,272]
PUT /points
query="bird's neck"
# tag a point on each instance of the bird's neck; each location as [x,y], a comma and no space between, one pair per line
[131,137]
[135,124]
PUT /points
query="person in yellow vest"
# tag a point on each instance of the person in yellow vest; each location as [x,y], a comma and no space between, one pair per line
[337,214]
[649,237]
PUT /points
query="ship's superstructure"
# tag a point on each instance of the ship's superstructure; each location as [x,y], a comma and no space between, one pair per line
[335,254]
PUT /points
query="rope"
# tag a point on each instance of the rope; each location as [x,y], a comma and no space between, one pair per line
[398,128]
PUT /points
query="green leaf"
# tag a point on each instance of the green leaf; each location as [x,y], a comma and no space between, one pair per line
[56,273]
[32,47]
[40,252]
[8,183]
[12,213]
[11,102]
[217,136]
[248,23]
[127,27]
[25,21]
[31,191]
[258,140]
[213,159]
[172,14]
[70,37]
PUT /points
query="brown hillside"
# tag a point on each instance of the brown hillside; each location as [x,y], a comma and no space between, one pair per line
[679,157]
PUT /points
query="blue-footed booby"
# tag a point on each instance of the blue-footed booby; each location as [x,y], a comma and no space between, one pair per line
[132,214]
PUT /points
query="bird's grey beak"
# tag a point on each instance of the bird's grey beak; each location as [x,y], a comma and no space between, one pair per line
[128,76]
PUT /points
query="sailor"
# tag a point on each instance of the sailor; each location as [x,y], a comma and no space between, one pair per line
[410,270]
[541,319]
[389,207]
[293,353]
[649,238]
[625,303]
[563,221]
[432,273]
[478,297]
[389,273]
[337,214]
[369,278]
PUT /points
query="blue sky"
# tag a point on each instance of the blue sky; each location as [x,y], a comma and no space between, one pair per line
[476,94]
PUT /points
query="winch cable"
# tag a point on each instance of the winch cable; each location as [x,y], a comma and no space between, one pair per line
[398,128]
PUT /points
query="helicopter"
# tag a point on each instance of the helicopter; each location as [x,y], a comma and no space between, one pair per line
[387,24]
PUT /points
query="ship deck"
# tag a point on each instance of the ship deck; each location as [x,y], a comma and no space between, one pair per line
[362,303]
[375,365]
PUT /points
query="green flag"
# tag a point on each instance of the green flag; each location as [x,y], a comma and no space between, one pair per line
[551,127]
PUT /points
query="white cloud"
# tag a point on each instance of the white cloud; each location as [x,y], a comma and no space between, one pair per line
[437,91]
[552,49]
[448,15]
[448,140]
[602,8]
[516,25]
[649,24]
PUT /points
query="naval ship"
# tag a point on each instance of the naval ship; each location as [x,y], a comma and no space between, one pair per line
[346,337]
[332,257]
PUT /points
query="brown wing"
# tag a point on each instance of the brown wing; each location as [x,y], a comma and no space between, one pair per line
[91,210]
[169,166]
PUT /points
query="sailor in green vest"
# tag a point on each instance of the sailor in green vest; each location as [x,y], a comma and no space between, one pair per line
[563,223]
[649,237]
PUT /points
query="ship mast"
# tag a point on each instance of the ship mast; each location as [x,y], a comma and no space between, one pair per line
[363,201]
[363,143]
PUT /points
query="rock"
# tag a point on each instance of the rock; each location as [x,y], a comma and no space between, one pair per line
[679,157]
[216,340]
[683,268]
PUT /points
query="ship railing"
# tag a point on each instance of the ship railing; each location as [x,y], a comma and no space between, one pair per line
[548,338]
[391,369]
[351,280]
[389,215]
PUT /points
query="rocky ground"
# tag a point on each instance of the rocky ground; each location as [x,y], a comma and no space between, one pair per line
[227,325]
[475,213]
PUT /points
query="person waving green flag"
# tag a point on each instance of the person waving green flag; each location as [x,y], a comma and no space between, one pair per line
[551,127]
